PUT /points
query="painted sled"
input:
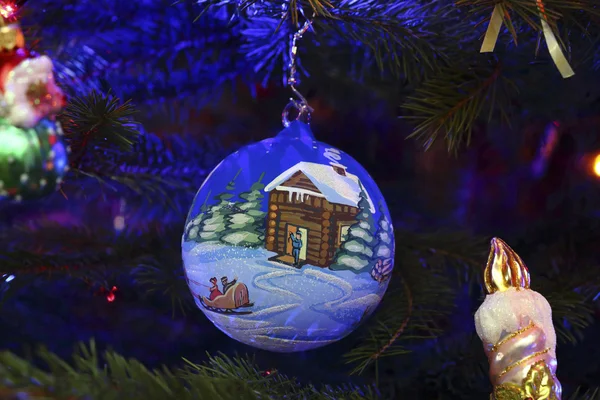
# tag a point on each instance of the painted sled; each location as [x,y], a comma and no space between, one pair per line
[236,297]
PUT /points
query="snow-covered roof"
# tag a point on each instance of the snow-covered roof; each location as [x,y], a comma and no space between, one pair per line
[336,188]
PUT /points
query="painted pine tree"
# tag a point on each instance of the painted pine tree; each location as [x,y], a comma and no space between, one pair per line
[246,226]
[356,253]
[382,254]
[192,229]
[385,236]
[213,227]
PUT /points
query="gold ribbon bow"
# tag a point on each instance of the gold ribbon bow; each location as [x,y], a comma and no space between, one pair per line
[493,31]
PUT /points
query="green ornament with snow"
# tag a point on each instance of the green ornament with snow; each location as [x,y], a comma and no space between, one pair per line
[33,161]
[289,244]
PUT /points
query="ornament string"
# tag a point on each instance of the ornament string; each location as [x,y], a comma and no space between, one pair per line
[493,31]
[300,105]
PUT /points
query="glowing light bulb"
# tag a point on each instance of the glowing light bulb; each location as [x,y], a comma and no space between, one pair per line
[597,165]
[7,11]
[110,297]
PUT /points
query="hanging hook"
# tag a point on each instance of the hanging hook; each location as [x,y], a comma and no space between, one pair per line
[301,105]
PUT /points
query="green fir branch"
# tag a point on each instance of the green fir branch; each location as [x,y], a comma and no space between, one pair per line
[582,394]
[453,100]
[395,45]
[51,248]
[528,11]
[166,277]
[99,120]
[456,364]
[419,300]
[110,376]
[575,15]
[571,298]
[149,184]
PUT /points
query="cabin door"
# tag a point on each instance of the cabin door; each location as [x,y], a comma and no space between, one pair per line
[292,229]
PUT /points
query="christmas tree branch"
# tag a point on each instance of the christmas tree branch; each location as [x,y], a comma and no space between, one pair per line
[95,376]
[529,11]
[374,41]
[582,394]
[97,122]
[451,102]
[455,364]
[221,378]
[396,43]
[413,312]
[152,168]
[572,301]
[51,247]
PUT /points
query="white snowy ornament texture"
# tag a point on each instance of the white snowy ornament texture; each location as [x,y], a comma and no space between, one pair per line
[288,245]
[504,312]
[20,110]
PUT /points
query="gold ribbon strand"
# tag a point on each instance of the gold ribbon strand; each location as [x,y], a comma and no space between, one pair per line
[553,46]
[493,31]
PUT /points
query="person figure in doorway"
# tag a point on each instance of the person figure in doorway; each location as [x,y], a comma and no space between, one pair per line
[226,284]
[296,246]
[214,289]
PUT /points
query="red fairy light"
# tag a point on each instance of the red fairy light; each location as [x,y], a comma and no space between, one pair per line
[111,295]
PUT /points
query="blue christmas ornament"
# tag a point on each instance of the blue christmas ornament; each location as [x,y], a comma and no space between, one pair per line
[288,245]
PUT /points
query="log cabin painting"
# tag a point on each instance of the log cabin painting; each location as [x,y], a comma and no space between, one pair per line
[302,231]
[318,201]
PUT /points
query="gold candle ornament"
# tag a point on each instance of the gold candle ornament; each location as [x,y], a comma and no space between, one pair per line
[515,326]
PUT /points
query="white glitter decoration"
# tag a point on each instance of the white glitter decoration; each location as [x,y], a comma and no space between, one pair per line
[294,308]
[24,178]
[508,311]
[20,111]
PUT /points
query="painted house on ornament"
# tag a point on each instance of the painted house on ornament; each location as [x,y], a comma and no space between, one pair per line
[319,201]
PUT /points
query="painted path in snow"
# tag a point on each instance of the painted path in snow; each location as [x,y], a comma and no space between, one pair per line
[294,309]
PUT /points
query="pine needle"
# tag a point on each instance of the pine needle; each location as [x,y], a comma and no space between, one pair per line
[99,120]
[110,376]
[452,101]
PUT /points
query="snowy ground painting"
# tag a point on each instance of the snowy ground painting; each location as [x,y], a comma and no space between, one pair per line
[294,309]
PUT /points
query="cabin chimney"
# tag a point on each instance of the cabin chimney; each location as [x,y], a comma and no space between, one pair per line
[339,168]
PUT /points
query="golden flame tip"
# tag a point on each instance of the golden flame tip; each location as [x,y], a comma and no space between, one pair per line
[504,269]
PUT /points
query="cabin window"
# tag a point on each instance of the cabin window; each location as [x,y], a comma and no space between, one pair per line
[344,233]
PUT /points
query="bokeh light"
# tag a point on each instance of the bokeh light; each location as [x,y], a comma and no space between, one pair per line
[596,166]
